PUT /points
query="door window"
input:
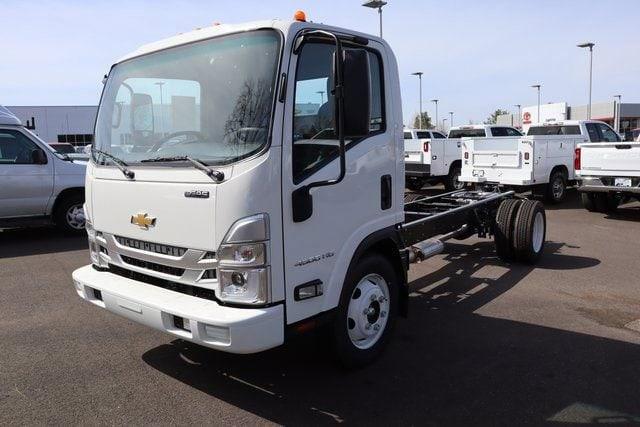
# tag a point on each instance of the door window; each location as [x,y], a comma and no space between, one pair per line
[499,132]
[15,148]
[422,135]
[438,135]
[315,142]
[608,134]
[512,132]
[594,135]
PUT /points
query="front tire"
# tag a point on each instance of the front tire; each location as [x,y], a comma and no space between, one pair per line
[367,311]
[69,215]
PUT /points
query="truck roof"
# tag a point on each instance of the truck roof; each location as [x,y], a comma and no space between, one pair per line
[565,123]
[8,118]
[483,126]
[222,29]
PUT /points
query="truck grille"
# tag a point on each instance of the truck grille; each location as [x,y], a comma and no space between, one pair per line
[147,265]
[163,283]
[151,247]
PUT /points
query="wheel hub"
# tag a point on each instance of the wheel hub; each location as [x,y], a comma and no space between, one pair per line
[75,217]
[368,311]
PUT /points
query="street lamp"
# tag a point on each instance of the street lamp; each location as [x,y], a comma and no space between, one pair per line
[616,113]
[538,87]
[589,45]
[419,74]
[321,93]
[451,116]
[160,84]
[376,4]
[444,121]
[519,114]
[435,101]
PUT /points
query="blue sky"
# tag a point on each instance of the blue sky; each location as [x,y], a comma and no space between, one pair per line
[476,55]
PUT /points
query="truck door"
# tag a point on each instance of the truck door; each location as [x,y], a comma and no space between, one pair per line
[26,186]
[318,250]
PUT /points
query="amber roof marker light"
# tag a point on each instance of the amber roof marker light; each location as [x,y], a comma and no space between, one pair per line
[300,16]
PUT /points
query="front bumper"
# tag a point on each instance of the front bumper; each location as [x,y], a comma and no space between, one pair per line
[229,329]
[595,185]
[417,170]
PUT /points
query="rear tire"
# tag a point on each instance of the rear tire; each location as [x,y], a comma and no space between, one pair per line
[530,232]
[556,190]
[414,184]
[69,214]
[453,179]
[504,229]
[366,314]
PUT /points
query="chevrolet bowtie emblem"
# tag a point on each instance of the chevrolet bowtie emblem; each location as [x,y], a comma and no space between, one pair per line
[143,220]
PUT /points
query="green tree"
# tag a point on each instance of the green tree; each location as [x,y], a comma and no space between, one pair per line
[493,118]
[426,121]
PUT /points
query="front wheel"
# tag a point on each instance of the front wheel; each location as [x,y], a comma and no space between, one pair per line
[69,215]
[367,311]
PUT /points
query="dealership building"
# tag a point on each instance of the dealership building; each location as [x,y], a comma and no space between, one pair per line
[72,123]
[604,111]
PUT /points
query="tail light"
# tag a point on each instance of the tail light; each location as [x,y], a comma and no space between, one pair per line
[577,160]
[425,147]
[526,156]
[466,155]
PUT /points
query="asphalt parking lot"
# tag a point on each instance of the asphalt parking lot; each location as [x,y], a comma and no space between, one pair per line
[485,342]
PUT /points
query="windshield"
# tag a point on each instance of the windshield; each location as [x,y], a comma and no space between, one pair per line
[210,100]
[467,133]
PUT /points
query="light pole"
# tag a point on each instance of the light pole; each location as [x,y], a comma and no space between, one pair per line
[616,113]
[519,114]
[419,74]
[451,118]
[160,84]
[376,4]
[538,86]
[435,101]
[321,93]
[444,124]
[589,45]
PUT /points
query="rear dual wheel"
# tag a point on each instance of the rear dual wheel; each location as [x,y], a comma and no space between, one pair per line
[520,230]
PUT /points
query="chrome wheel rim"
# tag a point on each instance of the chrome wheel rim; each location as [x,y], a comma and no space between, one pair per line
[368,311]
[558,188]
[75,217]
[538,232]
[457,184]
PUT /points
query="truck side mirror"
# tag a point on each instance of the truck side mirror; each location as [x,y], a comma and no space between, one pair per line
[38,156]
[356,87]
[142,114]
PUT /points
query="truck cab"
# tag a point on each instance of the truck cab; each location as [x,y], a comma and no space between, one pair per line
[39,185]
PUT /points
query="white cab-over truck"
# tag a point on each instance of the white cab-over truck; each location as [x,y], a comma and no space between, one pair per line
[37,184]
[608,174]
[542,161]
[251,211]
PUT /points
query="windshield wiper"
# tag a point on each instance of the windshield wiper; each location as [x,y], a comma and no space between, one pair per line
[211,173]
[120,164]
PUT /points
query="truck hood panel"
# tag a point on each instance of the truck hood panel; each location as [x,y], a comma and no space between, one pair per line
[166,215]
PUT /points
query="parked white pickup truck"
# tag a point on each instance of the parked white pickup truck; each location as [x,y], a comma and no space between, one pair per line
[38,184]
[430,158]
[542,161]
[608,174]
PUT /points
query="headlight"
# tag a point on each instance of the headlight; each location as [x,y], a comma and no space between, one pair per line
[247,255]
[243,268]
[250,286]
